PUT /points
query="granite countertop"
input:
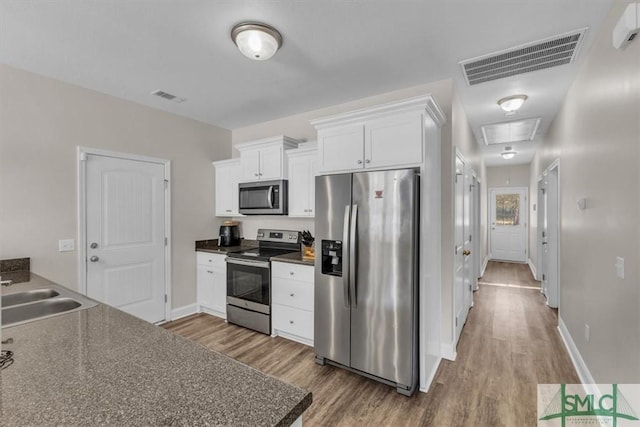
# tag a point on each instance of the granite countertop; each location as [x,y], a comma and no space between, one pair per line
[211,245]
[293,258]
[102,366]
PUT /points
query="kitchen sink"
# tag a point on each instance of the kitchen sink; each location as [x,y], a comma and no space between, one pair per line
[28,296]
[36,303]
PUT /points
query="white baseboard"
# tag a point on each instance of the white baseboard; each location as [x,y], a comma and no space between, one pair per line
[532,268]
[484,266]
[184,311]
[448,351]
[430,376]
[576,358]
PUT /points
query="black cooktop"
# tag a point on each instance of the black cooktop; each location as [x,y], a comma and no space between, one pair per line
[262,254]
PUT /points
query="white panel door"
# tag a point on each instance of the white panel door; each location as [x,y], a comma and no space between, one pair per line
[300,180]
[125,230]
[468,251]
[250,165]
[508,216]
[460,306]
[271,163]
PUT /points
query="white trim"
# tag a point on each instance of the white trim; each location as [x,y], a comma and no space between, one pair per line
[423,102]
[81,156]
[448,351]
[291,337]
[206,310]
[430,376]
[532,268]
[484,265]
[574,354]
[184,311]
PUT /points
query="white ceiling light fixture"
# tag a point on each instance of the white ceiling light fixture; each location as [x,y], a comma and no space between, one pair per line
[511,104]
[256,40]
[508,153]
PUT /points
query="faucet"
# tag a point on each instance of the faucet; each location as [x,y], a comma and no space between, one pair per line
[6,282]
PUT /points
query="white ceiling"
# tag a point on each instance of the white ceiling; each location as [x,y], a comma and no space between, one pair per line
[334,51]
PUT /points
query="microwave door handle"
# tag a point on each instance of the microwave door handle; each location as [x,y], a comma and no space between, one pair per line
[345,256]
[270,197]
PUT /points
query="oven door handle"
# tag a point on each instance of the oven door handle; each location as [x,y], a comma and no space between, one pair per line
[260,264]
[270,197]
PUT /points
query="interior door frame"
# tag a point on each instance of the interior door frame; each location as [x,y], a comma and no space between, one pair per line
[524,212]
[82,153]
[555,166]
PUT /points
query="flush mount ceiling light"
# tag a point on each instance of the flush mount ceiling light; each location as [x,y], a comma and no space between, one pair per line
[508,153]
[513,103]
[256,40]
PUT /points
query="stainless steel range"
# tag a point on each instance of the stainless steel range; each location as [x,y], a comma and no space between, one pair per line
[249,279]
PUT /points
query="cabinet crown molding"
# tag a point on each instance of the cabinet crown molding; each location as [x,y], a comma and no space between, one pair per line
[286,141]
[233,161]
[425,103]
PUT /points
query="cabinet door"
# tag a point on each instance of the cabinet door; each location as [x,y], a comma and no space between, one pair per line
[219,292]
[227,178]
[341,148]
[299,186]
[250,165]
[394,141]
[205,277]
[271,163]
[313,170]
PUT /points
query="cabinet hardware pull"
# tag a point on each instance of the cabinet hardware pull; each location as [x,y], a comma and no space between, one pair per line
[228,210]
[359,162]
[255,174]
[367,161]
[291,273]
[291,322]
[291,294]
[209,271]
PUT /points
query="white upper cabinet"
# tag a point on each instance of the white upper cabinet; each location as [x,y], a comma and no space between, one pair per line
[302,172]
[381,137]
[227,178]
[264,159]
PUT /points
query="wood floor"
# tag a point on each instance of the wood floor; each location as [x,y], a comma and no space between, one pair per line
[506,273]
[509,344]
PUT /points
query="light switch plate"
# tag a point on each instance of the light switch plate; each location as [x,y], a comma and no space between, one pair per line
[620,267]
[66,245]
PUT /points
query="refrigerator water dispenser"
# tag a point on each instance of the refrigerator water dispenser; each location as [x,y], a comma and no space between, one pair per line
[332,257]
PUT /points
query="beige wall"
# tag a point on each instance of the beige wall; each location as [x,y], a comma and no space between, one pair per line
[42,121]
[508,176]
[596,135]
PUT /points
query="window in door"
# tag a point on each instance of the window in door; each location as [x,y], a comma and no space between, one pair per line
[508,209]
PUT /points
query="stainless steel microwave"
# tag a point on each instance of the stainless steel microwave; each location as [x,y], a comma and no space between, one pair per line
[264,197]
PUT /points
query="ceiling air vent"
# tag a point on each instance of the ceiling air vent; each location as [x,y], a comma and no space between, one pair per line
[503,133]
[168,96]
[547,53]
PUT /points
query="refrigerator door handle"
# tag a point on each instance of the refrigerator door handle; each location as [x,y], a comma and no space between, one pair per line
[353,247]
[345,256]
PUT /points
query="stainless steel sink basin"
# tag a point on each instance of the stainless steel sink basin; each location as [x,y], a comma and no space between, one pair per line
[30,303]
[27,296]
[20,313]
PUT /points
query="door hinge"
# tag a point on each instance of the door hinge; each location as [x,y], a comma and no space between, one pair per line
[544,277]
[470,237]
[470,287]
[166,183]
[166,298]
[166,241]
[83,157]
[544,234]
[456,321]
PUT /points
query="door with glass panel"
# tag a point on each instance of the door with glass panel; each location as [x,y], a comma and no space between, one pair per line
[508,224]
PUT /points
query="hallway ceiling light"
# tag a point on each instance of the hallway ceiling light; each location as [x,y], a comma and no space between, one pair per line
[508,153]
[512,103]
[256,40]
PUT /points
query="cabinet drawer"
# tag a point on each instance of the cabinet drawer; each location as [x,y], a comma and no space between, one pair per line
[287,270]
[215,261]
[293,293]
[293,321]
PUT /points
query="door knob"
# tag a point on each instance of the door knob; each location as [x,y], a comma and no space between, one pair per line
[93,245]
[94,258]
[466,253]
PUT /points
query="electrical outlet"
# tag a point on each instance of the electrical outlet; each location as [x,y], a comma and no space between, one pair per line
[66,245]
[587,332]
[620,267]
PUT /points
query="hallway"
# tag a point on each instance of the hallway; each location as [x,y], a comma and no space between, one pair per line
[509,345]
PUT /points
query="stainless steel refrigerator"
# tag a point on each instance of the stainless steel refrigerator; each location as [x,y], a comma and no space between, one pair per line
[366,274]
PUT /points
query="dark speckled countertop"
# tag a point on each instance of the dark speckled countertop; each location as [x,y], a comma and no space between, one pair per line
[101,366]
[211,245]
[293,258]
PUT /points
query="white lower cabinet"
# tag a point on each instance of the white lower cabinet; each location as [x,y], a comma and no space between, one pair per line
[212,284]
[292,301]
